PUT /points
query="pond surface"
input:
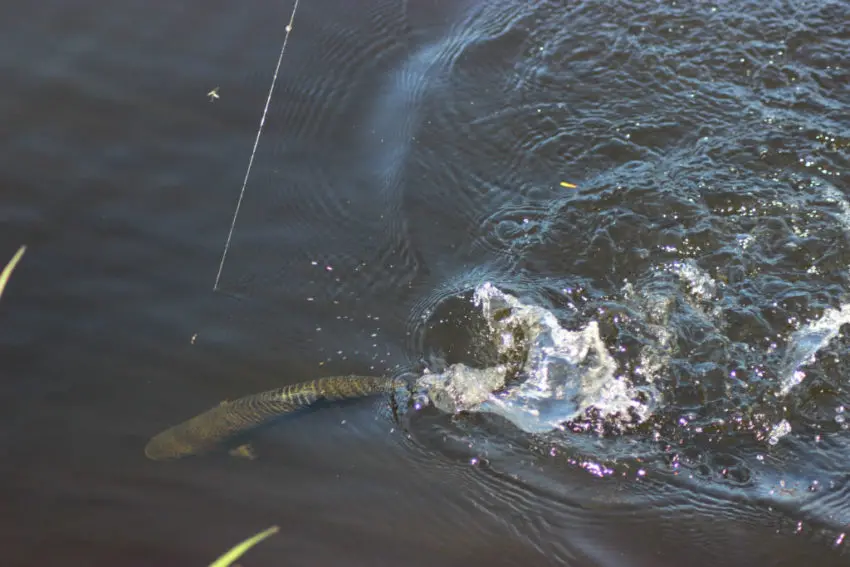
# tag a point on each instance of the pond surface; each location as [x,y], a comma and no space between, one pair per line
[672,175]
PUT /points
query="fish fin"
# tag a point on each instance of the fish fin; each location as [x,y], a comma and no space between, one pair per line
[245,451]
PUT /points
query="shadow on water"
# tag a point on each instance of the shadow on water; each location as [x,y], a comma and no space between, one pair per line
[414,150]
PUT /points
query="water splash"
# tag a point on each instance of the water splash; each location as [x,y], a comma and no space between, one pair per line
[462,388]
[779,431]
[806,342]
[699,283]
[656,306]
[551,375]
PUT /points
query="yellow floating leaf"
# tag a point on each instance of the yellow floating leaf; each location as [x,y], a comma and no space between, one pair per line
[568,185]
[7,271]
[237,551]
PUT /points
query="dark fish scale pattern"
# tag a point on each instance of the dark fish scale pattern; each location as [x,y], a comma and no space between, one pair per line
[215,426]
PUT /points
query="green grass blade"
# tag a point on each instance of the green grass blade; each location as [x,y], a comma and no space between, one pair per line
[7,271]
[237,551]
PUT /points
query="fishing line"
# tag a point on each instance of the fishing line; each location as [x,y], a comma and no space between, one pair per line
[256,142]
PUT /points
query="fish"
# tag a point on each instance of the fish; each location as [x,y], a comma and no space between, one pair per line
[214,427]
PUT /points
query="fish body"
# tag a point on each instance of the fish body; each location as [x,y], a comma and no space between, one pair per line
[229,419]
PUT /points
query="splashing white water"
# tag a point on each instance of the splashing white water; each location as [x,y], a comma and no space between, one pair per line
[779,431]
[461,388]
[806,342]
[802,348]
[654,356]
[700,284]
[564,372]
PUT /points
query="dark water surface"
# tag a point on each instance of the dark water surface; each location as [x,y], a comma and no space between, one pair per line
[414,150]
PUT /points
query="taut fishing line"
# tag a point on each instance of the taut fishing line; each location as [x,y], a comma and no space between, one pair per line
[256,142]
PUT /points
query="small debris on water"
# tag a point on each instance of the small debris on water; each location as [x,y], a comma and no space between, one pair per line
[194,337]
[568,185]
